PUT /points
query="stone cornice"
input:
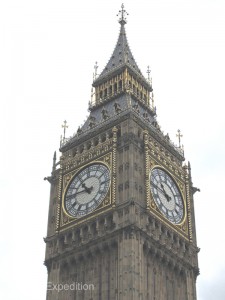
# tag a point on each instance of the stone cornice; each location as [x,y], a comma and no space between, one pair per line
[130,219]
[130,113]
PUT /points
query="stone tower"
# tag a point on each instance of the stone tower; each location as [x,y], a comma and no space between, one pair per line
[121,222]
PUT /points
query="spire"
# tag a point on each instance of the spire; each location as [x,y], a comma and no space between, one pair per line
[122,55]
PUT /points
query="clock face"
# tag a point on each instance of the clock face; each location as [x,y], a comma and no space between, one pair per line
[166,195]
[87,190]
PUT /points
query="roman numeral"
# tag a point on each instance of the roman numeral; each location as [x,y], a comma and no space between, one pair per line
[104,181]
[103,174]
[68,197]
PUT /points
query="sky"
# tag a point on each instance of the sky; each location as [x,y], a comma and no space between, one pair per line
[47,54]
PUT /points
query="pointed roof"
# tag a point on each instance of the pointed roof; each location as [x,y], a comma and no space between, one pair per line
[122,55]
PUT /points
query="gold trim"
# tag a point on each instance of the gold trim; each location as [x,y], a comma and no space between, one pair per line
[66,220]
[114,163]
[182,194]
[83,220]
[187,185]
[58,213]
[70,181]
[147,163]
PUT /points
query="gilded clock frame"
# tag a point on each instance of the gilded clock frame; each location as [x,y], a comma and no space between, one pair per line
[152,201]
[155,157]
[65,220]
[72,178]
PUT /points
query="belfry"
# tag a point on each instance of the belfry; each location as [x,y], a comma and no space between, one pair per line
[121,222]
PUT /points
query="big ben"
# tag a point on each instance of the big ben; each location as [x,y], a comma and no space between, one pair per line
[121,221]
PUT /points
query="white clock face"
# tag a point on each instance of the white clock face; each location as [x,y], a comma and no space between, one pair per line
[166,195]
[87,190]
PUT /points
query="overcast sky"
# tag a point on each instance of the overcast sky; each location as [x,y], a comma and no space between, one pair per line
[47,54]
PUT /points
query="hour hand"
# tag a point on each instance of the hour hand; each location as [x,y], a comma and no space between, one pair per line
[88,190]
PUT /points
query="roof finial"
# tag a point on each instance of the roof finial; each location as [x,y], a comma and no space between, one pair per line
[122,14]
[148,72]
[64,126]
[96,70]
[179,135]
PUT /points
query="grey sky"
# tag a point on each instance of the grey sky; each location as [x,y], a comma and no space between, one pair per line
[47,54]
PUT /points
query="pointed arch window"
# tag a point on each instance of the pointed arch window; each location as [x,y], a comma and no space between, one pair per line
[115,87]
[120,85]
[110,90]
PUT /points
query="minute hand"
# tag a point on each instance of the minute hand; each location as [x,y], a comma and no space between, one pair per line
[158,188]
[166,195]
[74,195]
[168,198]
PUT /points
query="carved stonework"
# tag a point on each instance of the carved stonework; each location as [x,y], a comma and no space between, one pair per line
[153,159]
[106,227]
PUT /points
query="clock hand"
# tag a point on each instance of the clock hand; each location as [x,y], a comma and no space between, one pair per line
[158,188]
[73,204]
[74,194]
[80,192]
[84,186]
[178,204]
[70,196]
[88,190]
[104,181]
[168,198]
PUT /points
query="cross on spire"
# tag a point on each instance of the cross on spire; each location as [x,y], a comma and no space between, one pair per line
[148,72]
[64,126]
[122,13]
[179,135]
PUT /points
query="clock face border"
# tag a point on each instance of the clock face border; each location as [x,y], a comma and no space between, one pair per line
[68,184]
[155,206]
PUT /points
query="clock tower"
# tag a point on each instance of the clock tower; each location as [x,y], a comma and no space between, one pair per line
[121,222]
